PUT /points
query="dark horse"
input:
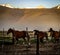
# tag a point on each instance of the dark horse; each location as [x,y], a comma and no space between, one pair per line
[41,35]
[17,34]
[55,34]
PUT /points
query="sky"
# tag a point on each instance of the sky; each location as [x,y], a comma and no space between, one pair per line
[31,3]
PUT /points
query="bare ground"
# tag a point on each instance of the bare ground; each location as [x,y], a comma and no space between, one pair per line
[20,49]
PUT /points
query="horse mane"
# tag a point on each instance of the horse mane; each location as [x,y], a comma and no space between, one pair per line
[36,30]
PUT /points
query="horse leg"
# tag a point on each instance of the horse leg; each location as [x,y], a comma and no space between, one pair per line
[41,40]
[47,38]
[24,40]
[16,40]
[28,40]
[13,40]
[57,40]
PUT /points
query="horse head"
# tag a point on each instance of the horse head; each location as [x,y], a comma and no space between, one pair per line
[36,32]
[51,30]
[9,31]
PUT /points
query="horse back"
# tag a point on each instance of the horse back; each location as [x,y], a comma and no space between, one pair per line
[42,34]
[20,33]
[56,34]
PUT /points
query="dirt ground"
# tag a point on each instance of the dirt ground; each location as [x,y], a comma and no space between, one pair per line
[20,49]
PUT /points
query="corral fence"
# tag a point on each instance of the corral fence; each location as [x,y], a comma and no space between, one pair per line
[48,48]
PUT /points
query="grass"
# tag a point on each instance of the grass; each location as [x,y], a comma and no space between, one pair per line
[8,40]
[5,40]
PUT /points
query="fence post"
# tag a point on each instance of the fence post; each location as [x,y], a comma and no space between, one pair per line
[27,35]
[13,37]
[3,32]
[3,36]
[37,45]
[2,39]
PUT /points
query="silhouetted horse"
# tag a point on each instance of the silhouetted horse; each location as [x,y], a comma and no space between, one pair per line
[41,35]
[55,34]
[18,34]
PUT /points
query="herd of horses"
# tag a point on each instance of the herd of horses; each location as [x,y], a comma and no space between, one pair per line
[24,34]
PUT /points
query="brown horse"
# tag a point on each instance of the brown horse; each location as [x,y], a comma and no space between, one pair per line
[55,34]
[41,35]
[17,34]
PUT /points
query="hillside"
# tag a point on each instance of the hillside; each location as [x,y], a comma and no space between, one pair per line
[41,19]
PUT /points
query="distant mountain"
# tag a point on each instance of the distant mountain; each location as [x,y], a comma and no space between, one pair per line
[41,19]
[40,7]
[7,5]
[56,7]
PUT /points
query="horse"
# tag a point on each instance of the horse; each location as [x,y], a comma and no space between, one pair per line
[55,34]
[41,35]
[18,34]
